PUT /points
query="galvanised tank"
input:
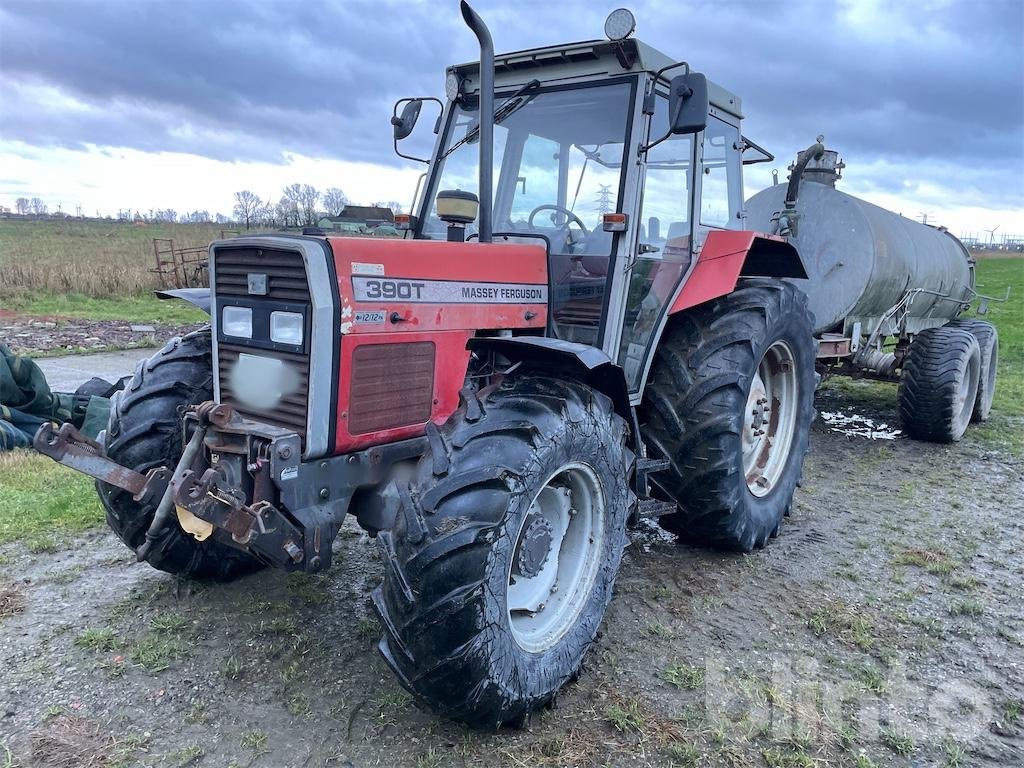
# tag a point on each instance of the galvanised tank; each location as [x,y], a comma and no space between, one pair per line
[862,259]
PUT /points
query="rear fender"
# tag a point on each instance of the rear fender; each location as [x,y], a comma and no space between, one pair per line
[580,361]
[728,255]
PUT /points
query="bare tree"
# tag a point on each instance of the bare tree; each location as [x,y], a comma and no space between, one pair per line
[246,205]
[287,212]
[21,205]
[37,206]
[395,206]
[305,198]
[334,201]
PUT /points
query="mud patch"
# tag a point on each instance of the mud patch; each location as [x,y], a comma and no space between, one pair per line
[886,620]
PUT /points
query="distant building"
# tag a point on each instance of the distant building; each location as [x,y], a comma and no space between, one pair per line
[357,215]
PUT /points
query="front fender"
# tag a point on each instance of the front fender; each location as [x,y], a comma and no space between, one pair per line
[581,361]
[199,297]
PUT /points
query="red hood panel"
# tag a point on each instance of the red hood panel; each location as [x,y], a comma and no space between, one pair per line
[421,285]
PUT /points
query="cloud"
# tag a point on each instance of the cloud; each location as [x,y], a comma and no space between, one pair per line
[929,90]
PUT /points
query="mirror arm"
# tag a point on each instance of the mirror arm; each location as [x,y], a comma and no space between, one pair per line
[644,148]
[437,125]
[651,96]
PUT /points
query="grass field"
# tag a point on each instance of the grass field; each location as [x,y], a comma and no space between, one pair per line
[96,259]
[42,500]
[144,308]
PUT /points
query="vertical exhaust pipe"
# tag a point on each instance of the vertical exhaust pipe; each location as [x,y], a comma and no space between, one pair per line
[486,192]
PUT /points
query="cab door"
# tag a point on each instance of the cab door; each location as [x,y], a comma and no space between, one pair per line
[663,251]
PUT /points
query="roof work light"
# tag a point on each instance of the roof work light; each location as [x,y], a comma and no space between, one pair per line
[620,24]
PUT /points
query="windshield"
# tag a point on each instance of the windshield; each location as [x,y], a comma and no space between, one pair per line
[558,159]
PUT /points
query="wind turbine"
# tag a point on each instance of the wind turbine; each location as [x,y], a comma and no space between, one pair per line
[992,234]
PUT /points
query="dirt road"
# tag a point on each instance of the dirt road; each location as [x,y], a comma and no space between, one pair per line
[885,626]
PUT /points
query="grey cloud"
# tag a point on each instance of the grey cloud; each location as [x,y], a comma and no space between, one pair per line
[927,85]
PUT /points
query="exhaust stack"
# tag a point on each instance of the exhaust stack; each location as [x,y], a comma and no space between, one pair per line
[476,24]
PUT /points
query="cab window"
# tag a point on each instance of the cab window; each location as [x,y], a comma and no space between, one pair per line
[720,178]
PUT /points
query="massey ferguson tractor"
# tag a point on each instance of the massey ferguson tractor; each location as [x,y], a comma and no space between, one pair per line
[582,327]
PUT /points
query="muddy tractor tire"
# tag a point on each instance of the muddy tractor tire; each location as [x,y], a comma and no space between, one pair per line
[939,384]
[145,431]
[729,402]
[500,565]
[988,343]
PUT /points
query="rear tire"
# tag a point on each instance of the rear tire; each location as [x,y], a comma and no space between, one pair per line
[464,628]
[145,431]
[988,342]
[703,407]
[939,385]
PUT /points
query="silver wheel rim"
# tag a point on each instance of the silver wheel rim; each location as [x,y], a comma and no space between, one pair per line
[556,557]
[769,421]
[967,393]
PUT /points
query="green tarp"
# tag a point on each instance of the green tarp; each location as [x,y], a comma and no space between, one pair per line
[26,402]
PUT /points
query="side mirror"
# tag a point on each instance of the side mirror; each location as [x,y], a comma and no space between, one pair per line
[688,103]
[404,124]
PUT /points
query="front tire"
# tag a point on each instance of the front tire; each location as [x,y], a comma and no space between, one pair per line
[500,566]
[730,402]
[145,431]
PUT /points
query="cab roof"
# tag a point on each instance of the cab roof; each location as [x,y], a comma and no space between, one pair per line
[586,59]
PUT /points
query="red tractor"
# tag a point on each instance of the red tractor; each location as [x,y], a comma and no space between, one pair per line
[575,333]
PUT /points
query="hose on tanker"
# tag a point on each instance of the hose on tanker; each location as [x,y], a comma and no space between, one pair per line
[816,150]
[785,220]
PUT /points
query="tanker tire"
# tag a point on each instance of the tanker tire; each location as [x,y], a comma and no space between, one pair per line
[988,342]
[694,407]
[939,384]
[144,431]
[443,605]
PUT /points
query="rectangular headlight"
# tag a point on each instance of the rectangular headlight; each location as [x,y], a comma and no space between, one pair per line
[286,327]
[237,321]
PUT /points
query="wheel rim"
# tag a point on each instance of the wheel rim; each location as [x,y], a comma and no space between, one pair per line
[967,393]
[990,376]
[556,557]
[769,421]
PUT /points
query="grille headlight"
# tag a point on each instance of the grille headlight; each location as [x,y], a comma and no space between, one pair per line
[237,321]
[286,327]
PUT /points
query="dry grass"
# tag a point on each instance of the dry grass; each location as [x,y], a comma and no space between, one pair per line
[68,741]
[98,259]
[12,601]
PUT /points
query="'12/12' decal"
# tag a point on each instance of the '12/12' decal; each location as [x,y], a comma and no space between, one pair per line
[370,316]
[411,290]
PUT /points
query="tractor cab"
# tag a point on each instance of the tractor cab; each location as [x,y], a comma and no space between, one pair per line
[586,161]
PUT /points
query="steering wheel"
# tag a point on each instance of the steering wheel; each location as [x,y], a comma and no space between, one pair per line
[559,209]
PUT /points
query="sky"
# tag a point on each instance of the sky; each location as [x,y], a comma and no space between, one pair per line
[177,104]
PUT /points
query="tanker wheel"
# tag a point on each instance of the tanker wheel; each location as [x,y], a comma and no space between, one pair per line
[500,565]
[939,385]
[988,343]
[145,431]
[729,402]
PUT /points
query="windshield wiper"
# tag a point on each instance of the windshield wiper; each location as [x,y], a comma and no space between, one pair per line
[514,103]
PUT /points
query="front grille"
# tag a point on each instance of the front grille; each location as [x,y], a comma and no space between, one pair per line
[286,274]
[290,413]
[286,281]
[392,386]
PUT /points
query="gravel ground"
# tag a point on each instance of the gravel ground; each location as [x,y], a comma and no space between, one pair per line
[884,627]
[56,336]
